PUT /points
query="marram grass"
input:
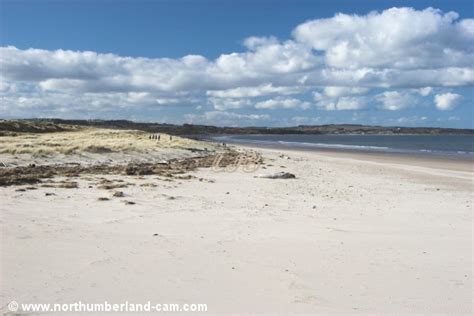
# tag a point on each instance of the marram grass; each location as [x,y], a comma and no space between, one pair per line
[91,140]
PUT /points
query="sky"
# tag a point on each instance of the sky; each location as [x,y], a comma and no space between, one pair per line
[239,63]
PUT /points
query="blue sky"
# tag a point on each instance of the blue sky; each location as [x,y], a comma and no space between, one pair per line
[252,62]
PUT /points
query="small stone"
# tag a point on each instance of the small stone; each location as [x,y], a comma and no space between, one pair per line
[278,175]
[118,194]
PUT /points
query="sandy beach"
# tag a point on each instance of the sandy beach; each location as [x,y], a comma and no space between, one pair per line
[352,233]
[228,157]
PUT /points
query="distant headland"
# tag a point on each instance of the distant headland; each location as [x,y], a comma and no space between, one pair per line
[52,125]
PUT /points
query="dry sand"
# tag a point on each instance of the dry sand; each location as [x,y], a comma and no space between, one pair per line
[351,234]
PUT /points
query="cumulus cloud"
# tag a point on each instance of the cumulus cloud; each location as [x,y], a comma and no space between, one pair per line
[343,103]
[282,103]
[446,101]
[425,91]
[343,91]
[399,38]
[229,103]
[394,100]
[339,98]
[226,118]
[258,91]
[343,57]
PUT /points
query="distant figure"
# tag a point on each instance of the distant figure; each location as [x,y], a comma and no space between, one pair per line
[171,138]
[158,137]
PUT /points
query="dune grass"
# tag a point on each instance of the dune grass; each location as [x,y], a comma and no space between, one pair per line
[93,140]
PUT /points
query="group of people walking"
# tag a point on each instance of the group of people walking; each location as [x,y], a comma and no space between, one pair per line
[158,137]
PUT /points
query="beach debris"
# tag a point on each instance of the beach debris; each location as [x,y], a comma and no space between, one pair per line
[21,175]
[20,190]
[284,156]
[47,185]
[103,199]
[111,186]
[278,175]
[118,194]
[148,184]
[138,170]
[49,194]
[68,185]
[206,180]
[185,177]
[129,202]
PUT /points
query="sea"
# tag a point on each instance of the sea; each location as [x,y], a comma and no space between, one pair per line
[454,146]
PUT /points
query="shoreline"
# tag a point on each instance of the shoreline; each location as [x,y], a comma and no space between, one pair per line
[435,155]
[370,156]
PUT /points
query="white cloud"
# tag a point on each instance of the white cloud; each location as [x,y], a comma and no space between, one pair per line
[334,98]
[344,56]
[395,100]
[261,90]
[399,38]
[343,91]
[282,103]
[425,91]
[343,103]
[254,42]
[447,101]
[229,103]
[348,103]
[226,118]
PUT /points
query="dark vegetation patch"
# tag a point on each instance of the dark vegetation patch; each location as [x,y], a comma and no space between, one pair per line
[36,174]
